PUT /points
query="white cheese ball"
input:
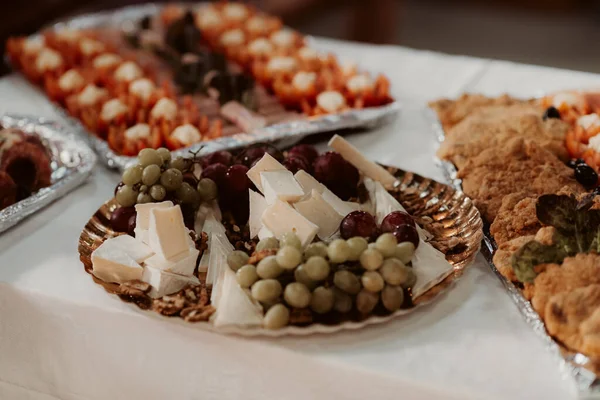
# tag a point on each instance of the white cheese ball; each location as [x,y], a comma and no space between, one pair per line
[34,44]
[359,83]
[233,37]
[260,47]
[89,46]
[164,108]
[303,80]
[589,121]
[281,64]
[142,88]
[128,71]
[112,109]
[48,60]
[283,38]
[331,101]
[208,17]
[187,134]
[90,95]
[308,54]
[70,80]
[235,11]
[106,60]
[137,132]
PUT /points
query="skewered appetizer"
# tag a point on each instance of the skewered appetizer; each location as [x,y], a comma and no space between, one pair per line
[280,238]
[185,77]
[24,166]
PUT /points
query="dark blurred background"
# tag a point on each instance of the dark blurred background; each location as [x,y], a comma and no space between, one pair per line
[561,33]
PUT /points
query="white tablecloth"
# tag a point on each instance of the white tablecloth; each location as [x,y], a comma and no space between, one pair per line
[62,336]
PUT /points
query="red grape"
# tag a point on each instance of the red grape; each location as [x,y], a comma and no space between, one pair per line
[305,150]
[395,219]
[236,180]
[190,178]
[131,226]
[294,163]
[252,154]
[240,209]
[119,219]
[406,233]
[337,174]
[359,223]
[218,157]
[216,172]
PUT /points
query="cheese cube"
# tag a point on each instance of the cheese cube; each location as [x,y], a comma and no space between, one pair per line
[111,264]
[265,233]
[338,204]
[308,182]
[258,205]
[280,185]
[266,163]
[218,265]
[281,218]
[133,247]
[183,264]
[142,217]
[364,165]
[320,213]
[168,235]
[164,283]
[141,235]
[236,307]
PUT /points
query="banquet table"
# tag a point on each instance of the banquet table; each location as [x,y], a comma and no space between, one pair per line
[63,337]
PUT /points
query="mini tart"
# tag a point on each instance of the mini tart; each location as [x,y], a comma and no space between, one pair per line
[70,82]
[87,104]
[130,140]
[276,68]
[287,40]
[300,91]
[330,102]
[261,25]
[362,91]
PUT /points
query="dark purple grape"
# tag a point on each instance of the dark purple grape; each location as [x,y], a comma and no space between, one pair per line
[249,156]
[216,172]
[359,223]
[131,225]
[295,163]
[236,180]
[407,233]
[218,157]
[190,178]
[240,208]
[119,219]
[337,174]
[395,219]
[305,150]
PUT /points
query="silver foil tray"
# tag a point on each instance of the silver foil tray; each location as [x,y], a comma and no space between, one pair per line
[71,162]
[367,118]
[573,365]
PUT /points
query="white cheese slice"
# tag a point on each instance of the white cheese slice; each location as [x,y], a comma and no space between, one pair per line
[133,247]
[281,218]
[266,163]
[364,165]
[183,264]
[430,267]
[167,233]
[342,207]
[258,205]
[280,185]
[321,213]
[164,283]
[308,182]
[204,211]
[142,218]
[236,307]
[111,264]
[265,233]
[220,249]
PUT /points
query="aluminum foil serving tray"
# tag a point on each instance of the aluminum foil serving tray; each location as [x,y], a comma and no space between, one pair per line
[367,118]
[574,366]
[71,162]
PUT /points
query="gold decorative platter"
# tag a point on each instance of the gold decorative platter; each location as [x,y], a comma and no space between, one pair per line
[445,212]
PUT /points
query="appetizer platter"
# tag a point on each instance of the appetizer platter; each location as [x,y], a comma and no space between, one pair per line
[186,76]
[531,167]
[40,161]
[268,242]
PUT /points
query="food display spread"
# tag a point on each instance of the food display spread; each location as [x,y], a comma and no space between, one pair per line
[265,239]
[24,166]
[187,76]
[531,167]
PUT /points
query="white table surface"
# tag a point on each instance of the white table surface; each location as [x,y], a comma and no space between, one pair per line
[62,336]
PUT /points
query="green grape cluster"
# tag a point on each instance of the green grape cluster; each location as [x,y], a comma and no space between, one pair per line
[341,276]
[157,177]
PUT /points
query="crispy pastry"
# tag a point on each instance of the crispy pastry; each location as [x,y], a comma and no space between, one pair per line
[493,126]
[517,166]
[573,317]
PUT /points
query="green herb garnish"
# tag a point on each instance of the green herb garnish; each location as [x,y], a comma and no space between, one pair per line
[577,231]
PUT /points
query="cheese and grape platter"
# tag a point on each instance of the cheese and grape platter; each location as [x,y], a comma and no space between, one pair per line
[183,76]
[270,242]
